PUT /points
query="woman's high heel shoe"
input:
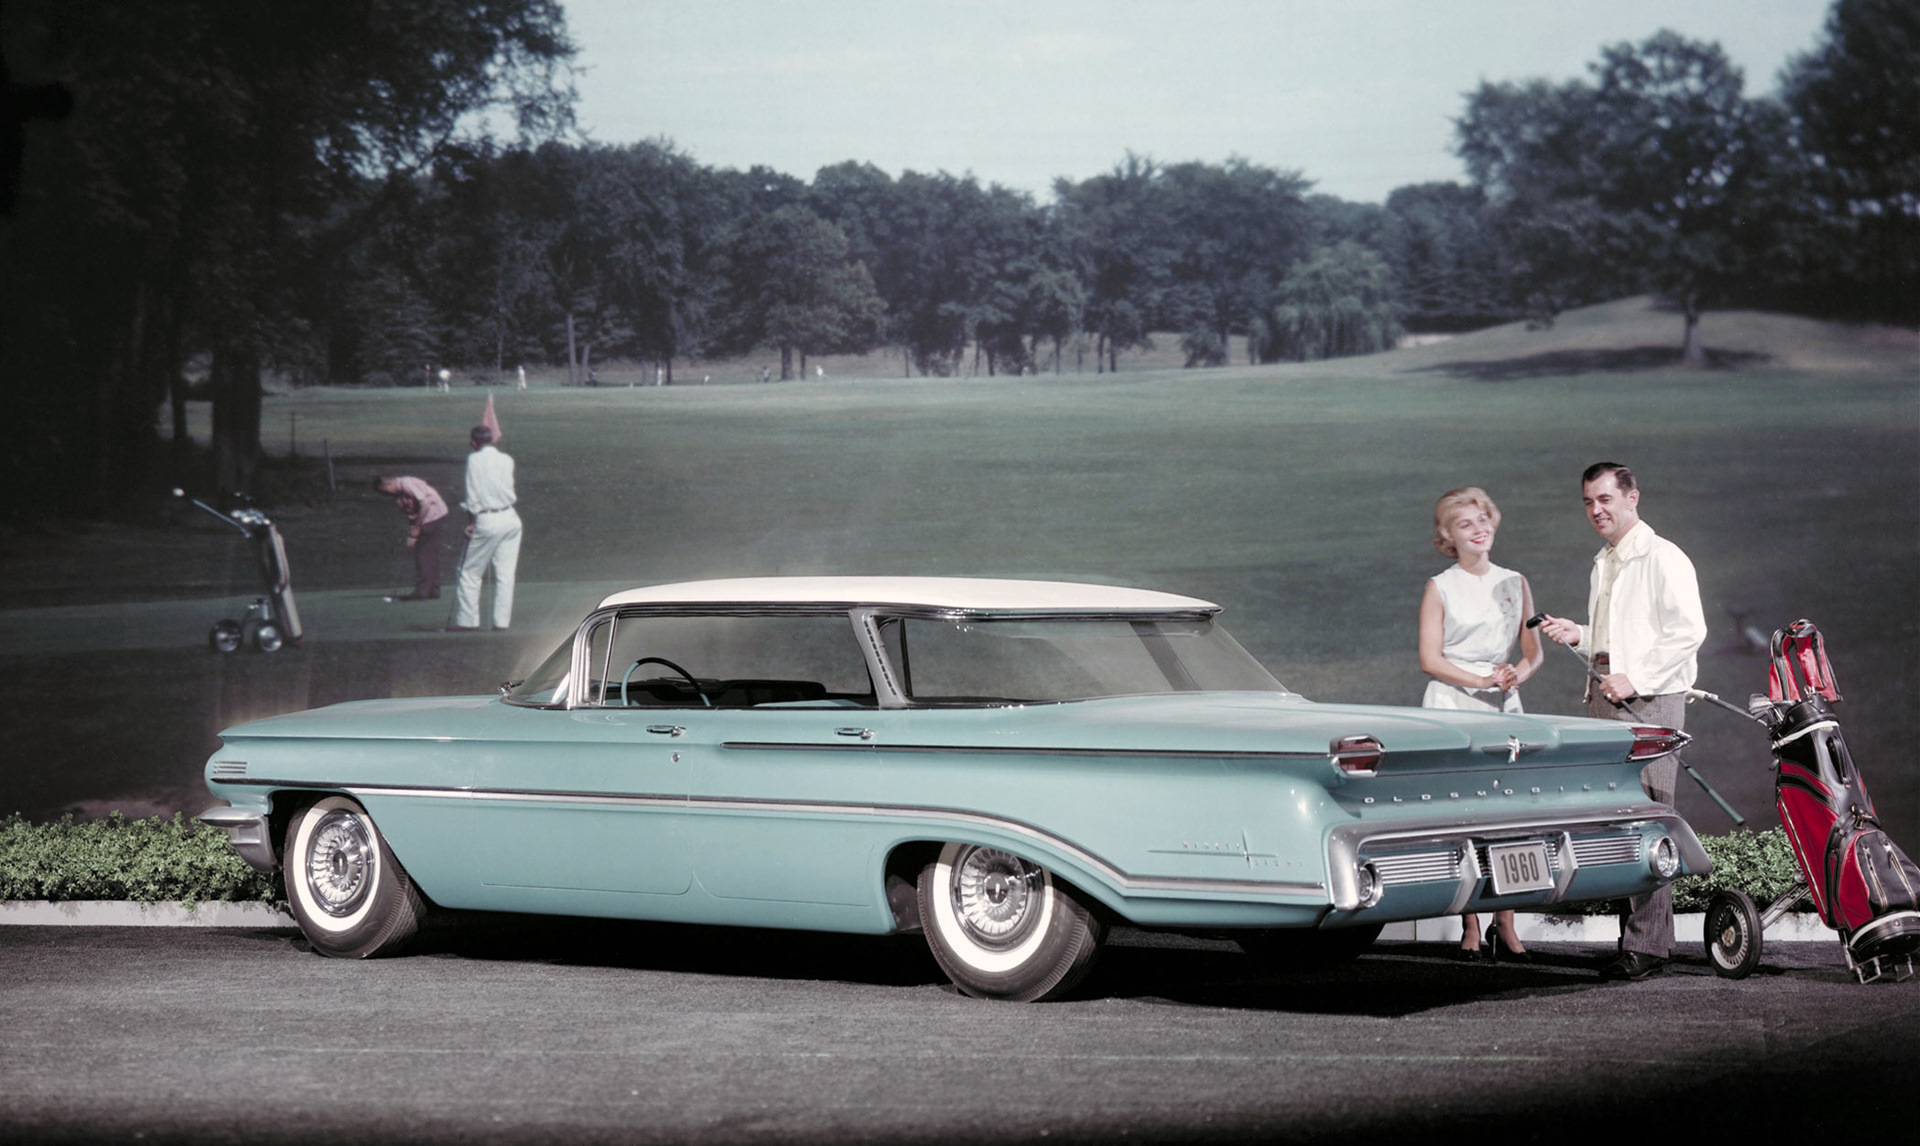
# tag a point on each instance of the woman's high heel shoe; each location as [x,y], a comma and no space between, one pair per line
[1498,953]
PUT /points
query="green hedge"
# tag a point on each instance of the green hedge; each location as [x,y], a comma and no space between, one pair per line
[1758,863]
[146,861]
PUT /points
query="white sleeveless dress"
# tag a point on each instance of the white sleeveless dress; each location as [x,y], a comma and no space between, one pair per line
[1481,620]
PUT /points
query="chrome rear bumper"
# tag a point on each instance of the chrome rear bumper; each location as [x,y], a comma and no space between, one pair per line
[1432,850]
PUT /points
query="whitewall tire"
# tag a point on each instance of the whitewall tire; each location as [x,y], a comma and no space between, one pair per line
[1002,928]
[350,895]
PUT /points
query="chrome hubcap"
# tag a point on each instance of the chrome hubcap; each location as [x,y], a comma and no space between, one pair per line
[339,863]
[996,896]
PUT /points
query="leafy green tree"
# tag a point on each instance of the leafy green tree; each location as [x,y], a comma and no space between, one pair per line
[1449,260]
[1116,234]
[1854,100]
[1053,306]
[1659,173]
[1234,229]
[1337,302]
[193,195]
[794,286]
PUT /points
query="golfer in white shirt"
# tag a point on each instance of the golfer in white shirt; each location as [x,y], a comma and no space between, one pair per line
[493,534]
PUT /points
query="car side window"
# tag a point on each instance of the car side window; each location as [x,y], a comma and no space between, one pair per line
[668,661]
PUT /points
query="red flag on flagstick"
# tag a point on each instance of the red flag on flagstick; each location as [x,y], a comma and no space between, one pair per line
[491,420]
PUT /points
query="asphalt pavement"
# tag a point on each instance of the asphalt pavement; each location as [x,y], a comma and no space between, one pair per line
[584,1032]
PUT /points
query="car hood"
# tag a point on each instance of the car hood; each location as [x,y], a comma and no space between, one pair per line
[409,718]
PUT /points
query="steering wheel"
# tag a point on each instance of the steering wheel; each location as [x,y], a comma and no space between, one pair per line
[684,675]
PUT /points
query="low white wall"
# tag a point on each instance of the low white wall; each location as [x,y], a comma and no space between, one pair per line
[119,913]
[1795,926]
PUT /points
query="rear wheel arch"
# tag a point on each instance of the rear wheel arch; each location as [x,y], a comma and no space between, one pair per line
[906,859]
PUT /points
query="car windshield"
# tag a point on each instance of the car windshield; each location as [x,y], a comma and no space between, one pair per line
[1025,661]
[546,684]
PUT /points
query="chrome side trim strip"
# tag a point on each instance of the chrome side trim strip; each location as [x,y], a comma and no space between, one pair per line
[1121,879]
[1012,750]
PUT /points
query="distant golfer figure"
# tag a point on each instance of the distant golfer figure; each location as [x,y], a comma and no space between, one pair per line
[493,534]
[1469,617]
[426,513]
[1644,642]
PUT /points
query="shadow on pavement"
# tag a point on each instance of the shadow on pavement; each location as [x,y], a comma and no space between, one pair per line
[1393,980]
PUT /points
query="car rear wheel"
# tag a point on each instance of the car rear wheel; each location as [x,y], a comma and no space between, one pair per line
[1002,928]
[350,895]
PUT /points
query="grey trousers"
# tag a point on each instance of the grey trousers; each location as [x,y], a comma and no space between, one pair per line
[1648,925]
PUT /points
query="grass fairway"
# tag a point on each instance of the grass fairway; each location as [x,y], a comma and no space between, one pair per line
[1297,496]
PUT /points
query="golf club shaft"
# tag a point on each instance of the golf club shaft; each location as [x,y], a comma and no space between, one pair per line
[1593,674]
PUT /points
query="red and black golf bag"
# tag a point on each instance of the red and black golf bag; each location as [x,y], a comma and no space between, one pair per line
[1862,885]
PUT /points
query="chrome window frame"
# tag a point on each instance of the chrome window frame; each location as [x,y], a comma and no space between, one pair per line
[865,620]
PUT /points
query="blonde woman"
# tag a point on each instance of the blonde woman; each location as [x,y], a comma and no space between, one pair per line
[1469,617]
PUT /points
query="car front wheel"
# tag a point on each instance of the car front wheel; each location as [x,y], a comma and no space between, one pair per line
[350,895]
[1002,928]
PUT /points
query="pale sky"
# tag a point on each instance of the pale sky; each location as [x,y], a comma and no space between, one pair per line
[1358,95]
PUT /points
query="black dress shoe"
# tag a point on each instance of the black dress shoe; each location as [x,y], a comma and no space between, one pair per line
[1633,966]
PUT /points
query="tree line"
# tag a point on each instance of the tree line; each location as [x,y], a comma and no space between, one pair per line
[320,189]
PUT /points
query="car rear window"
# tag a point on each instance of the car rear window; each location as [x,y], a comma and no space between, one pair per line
[1021,661]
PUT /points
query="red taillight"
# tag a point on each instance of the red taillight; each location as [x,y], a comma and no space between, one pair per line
[1649,742]
[1357,755]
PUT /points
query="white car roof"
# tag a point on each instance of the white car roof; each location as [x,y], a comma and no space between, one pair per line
[957,593]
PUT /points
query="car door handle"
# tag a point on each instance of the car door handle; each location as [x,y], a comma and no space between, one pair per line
[862,733]
[666,730]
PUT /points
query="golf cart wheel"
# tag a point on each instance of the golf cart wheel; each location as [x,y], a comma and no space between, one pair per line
[1732,928]
[267,638]
[225,637]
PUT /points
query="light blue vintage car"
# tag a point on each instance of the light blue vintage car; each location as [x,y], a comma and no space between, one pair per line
[1007,766]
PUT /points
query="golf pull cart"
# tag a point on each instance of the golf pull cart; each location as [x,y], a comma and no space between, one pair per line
[272,620]
[1861,884]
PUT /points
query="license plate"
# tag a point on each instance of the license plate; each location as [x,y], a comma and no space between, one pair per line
[1519,867]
